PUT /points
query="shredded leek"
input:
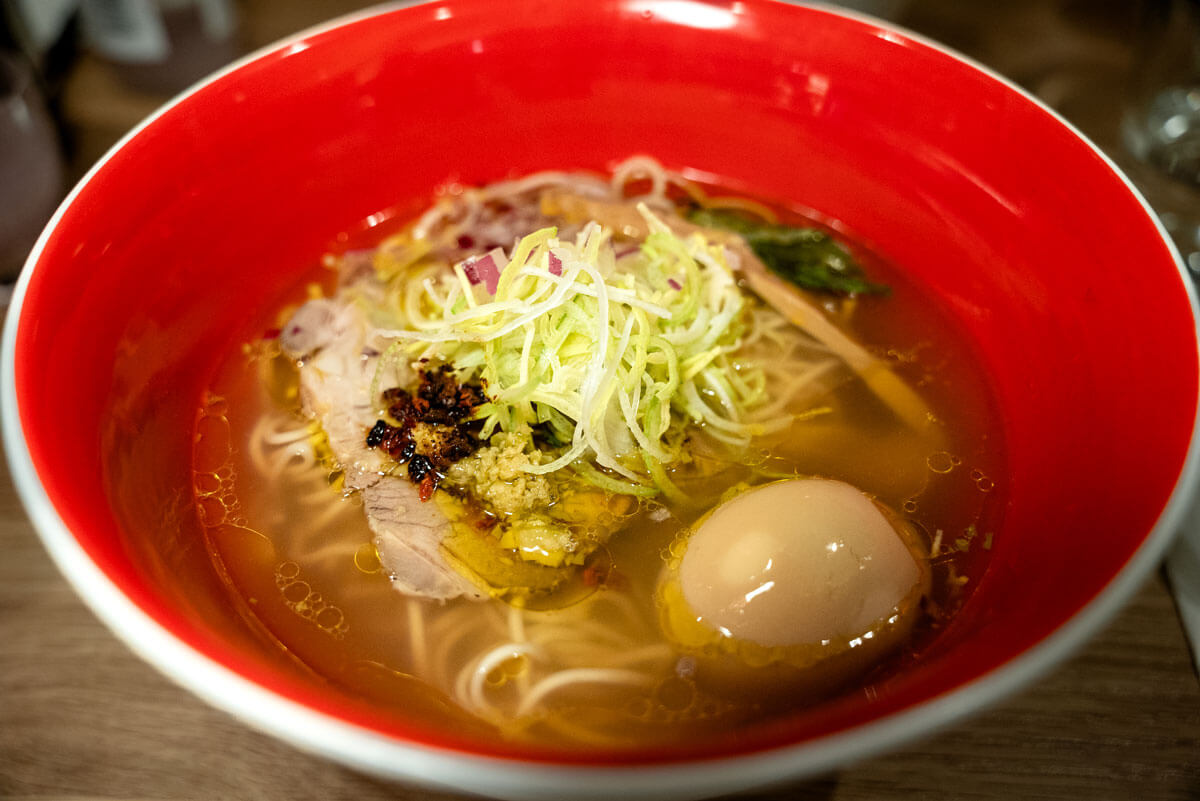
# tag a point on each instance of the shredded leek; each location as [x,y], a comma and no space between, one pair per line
[614,356]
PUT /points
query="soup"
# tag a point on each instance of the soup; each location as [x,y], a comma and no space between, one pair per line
[601,461]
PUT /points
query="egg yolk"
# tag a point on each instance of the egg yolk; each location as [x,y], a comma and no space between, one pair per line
[805,561]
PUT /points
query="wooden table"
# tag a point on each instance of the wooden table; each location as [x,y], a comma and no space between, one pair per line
[82,718]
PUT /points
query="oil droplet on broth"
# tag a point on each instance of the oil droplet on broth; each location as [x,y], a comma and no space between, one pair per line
[983,483]
[675,694]
[210,511]
[366,559]
[207,483]
[330,619]
[942,462]
[638,707]
[296,591]
[214,482]
[308,603]
[508,670]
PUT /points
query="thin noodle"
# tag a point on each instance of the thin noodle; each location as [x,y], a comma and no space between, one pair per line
[567,678]
[418,647]
[470,685]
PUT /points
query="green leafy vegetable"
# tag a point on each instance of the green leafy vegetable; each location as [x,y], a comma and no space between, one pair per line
[807,257]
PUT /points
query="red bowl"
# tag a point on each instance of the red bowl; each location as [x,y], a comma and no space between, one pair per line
[1023,232]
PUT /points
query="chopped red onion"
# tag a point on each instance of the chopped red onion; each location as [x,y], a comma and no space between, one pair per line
[486,269]
[555,264]
[674,284]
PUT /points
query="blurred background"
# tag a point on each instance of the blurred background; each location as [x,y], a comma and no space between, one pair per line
[75,75]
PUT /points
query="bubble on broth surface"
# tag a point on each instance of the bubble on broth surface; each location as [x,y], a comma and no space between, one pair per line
[213,476]
[366,559]
[307,602]
[983,482]
[215,484]
[942,462]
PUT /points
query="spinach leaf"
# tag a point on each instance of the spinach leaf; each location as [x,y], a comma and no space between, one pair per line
[807,257]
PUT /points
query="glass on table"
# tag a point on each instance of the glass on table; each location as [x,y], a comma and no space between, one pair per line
[31,165]
[1160,126]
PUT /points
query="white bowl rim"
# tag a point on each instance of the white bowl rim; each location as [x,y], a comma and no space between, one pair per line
[513,778]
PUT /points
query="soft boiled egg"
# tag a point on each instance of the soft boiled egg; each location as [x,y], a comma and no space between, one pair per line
[801,584]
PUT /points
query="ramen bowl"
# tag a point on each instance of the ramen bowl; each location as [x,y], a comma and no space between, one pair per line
[1022,232]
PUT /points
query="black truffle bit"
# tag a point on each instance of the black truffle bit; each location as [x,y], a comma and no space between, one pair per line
[431,430]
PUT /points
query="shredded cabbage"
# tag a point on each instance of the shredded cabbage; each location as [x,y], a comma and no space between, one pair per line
[614,354]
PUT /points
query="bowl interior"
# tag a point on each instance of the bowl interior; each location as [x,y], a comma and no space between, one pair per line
[1025,236]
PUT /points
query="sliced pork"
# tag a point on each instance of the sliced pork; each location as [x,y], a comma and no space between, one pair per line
[338,354]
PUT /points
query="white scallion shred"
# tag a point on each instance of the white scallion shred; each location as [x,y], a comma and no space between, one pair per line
[620,355]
